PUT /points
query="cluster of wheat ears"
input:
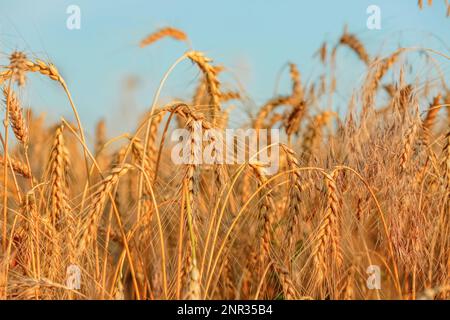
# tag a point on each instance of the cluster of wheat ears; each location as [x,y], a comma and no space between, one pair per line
[367,187]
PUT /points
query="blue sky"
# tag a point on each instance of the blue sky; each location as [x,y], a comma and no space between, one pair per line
[254,39]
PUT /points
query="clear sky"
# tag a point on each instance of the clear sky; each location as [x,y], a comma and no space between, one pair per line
[254,39]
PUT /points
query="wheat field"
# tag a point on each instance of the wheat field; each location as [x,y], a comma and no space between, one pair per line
[364,186]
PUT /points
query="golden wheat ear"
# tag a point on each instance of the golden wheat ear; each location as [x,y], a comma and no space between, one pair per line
[351,41]
[17,63]
[213,83]
[57,171]
[19,167]
[16,116]
[170,32]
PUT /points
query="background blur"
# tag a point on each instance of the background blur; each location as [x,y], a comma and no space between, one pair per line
[111,77]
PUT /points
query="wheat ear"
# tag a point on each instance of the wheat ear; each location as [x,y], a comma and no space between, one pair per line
[18,167]
[353,43]
[17,63]
[430,118]
[266,211]
[57,170]
[163,33]
[98,202]
[446,161]
[270,105]
[210,74]
[286,282]
[407,146]
[294,194]
[327,240]
[297,89]
[16,116]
